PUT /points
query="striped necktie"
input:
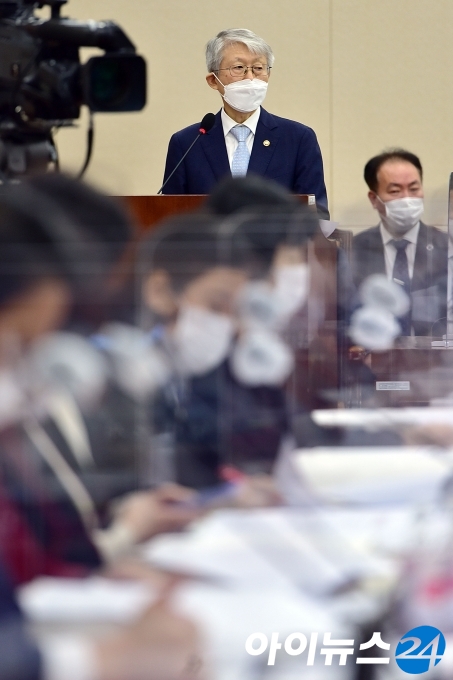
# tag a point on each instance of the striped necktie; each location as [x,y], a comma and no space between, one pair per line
[401,276]
[241,156]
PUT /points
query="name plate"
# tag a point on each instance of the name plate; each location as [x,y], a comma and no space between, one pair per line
[393,385]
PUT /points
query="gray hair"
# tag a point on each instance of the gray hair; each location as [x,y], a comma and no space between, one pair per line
[255,45]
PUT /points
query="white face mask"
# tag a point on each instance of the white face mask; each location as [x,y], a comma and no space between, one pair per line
[201,340]
[257,306]
[261,358]
[402,214]
[69,362]
[246,95]
[137,366]
[292,283]
[378,291]
[374,328]
[265,306]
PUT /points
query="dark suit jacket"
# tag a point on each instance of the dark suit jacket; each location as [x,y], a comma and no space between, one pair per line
[215,421]
[293,158]
[428,292]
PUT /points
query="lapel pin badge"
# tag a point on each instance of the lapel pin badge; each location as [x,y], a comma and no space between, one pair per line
[430,247]
[266,142]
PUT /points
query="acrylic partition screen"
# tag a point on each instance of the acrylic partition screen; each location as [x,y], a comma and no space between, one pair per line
[450,272]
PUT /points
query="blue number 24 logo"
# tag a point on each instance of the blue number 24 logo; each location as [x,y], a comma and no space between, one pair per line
[420,649]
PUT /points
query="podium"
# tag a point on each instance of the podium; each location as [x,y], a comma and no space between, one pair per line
[149,210]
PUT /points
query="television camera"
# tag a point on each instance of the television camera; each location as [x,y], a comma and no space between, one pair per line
[43,83]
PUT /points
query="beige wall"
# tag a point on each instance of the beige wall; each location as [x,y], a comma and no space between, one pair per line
[365,75]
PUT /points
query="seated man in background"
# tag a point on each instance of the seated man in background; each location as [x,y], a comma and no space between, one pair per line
[245,137]
[402,246]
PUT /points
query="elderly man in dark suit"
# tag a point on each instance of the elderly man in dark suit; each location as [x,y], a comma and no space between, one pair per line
[401,246]
[245,137]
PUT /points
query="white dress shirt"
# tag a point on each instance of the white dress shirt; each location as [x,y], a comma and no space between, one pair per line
[230,140]
[390,250]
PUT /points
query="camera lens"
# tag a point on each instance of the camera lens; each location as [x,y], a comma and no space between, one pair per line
[115,83]
[109,82]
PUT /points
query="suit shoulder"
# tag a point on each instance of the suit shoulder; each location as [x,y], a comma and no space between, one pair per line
[366,236]
[436,235]
[189,131]
[294,125]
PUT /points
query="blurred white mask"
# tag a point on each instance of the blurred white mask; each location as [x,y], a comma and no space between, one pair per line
[292,283]
[258,306]
[201,339]
[261,358]
[265,306]
[138,367]
[378,291]
[67,361]
[374,328]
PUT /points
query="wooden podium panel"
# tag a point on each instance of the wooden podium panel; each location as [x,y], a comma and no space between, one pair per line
[149,210]
[412,373]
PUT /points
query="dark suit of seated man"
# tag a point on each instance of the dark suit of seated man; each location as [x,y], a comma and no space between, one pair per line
[239,65]
[408,251]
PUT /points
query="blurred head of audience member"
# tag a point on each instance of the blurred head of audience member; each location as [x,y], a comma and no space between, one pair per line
[104,223]
[59,240]
[63,230]
[245,193]
[192,280]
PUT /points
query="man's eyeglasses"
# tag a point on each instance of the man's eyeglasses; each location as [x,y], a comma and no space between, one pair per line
[239,71]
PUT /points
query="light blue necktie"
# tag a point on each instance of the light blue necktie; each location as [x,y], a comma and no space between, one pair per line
[241,156]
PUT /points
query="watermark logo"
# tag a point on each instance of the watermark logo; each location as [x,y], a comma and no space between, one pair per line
[332,650]
[420,649]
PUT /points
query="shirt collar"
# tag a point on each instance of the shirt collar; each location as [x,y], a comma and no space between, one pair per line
[229,123]
[411,235]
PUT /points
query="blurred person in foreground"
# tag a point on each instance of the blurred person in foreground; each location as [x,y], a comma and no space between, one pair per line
[245,138]
[332,297]
[245,194]
[42,264]
[51,256]
[220,293]
[401,246]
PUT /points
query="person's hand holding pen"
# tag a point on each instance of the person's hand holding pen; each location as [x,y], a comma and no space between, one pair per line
[147,513]
[238,490]
[144,514]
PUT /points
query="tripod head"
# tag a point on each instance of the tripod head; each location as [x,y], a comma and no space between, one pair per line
[13,8]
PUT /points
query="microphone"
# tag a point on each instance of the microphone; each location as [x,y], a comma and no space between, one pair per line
[206,124]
